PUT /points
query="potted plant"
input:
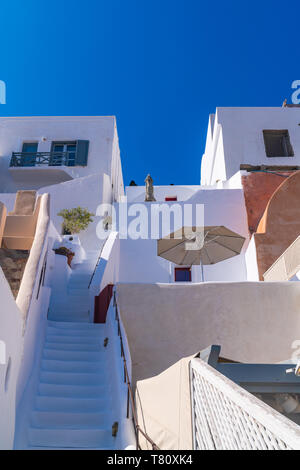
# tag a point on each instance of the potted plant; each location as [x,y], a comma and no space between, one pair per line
[75,220]
[62,250]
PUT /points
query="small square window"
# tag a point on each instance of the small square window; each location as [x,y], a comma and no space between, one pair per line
[30,147]
[183,275]
[277,143]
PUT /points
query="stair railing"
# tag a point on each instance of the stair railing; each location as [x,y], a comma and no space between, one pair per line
[130,397]
[96,266]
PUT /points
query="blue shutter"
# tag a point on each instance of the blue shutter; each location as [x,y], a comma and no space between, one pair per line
[82,150]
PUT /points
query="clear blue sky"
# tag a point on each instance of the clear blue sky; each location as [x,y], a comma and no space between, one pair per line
[160,66]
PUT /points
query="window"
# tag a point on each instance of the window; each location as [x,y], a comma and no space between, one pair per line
[65,153]
[183,275]
[170,198]
[69,153]
[277,143]
[31,148]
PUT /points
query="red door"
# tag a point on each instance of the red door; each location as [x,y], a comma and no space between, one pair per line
[102,302]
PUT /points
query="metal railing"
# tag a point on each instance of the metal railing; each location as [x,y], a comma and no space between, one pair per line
[28,159]
[130,397]
[227,417]
[96,266]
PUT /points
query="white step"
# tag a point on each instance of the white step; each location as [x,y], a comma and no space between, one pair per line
[72,378]
[70,300]
[71,366]
[72,339]
[78,293]
[75,405]
[75,292]
[95,253]
[87,260]
[92,356]
[50,419]
[86,332]
[79,274]
[79,277]
[79,326]
[78,317]
[85,267]
[73,391]
[70,307]
[56,346]
[75,438]
[81,283]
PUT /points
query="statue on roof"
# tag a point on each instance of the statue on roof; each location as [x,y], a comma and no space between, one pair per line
[149,190]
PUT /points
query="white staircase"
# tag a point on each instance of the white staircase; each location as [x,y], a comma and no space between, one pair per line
[72,405]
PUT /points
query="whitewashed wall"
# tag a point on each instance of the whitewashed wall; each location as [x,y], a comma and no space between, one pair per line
[137,193]
[100,131]
[11,337]
[8,199]
[87,192]
[237,137]
[251,261]
[138,258]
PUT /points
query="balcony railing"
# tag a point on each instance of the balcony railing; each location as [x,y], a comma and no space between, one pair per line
[27,159]
[227,417]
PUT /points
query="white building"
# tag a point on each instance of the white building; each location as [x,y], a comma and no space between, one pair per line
[252,136]
[41,153]
[62,378]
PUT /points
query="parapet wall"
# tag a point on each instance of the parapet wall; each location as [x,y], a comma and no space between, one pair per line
[252,321]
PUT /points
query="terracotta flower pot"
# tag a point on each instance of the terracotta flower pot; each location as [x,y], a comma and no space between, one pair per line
[70,258]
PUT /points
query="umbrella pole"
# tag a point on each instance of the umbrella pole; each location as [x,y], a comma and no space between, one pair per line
[202,272]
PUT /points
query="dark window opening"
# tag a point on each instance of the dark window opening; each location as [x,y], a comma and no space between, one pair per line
[277,143]
[31,149]
[63,153]
[171,198]
[183,275]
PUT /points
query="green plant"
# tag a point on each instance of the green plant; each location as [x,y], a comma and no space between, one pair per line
[75,220]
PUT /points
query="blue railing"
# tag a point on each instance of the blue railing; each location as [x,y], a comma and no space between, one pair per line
[28,159]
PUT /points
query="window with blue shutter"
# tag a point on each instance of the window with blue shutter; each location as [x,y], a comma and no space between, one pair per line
[69,153]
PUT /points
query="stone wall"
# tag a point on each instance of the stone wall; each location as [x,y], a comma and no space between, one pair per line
[13,263]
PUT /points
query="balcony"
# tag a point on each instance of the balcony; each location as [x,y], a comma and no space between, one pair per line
[39,169]
[42,159]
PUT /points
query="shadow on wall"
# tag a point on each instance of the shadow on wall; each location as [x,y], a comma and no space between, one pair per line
[11,339]
[280,224]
